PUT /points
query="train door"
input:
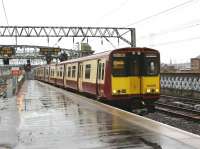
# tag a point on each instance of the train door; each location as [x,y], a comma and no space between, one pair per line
[80,77]
[100,76]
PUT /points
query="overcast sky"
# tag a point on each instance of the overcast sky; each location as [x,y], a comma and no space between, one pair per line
[170,26]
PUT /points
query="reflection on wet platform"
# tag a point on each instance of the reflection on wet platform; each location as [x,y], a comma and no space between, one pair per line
[50,119]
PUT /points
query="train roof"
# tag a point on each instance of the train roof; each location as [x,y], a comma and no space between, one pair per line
[104,54]
[93,56]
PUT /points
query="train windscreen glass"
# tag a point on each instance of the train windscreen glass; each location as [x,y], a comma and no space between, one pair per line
[125,64]
[151,62]
[119,65]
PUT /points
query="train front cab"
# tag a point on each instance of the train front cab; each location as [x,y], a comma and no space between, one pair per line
[135,77]
[150,79]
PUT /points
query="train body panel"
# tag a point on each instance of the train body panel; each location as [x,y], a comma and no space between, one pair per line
[46,76]
[52,76]
[150,85]
[59,75]
[71,75]
[89,76]
[126,85]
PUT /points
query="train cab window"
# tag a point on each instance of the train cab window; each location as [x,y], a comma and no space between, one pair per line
[73,71]
[87,71]
[119,67]
[126,64]
[152,68]
[151,65]
[69,72]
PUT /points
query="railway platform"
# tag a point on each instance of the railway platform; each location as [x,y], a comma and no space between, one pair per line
[42,116]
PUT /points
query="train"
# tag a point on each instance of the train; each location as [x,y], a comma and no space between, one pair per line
[128,76]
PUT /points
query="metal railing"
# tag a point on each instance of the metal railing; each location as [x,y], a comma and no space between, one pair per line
[181,84]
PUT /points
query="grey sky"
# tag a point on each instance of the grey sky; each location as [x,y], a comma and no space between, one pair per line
[175,33]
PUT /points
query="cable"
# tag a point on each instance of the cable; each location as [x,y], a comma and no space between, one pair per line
[110,42]
[5,12]
[161,12]
[58,41]
[177,41]
[121,5]
[175,29]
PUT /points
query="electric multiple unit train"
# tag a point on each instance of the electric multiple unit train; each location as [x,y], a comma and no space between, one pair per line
[130,76]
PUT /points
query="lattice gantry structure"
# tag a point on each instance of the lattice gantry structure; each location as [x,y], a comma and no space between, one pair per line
[125,34]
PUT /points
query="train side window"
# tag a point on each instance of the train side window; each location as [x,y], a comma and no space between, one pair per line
[58,73]
[61,71]
[73,71]
[99,71]
[102,72]
[80,71]
[87,71]
[69,72]
[66,71]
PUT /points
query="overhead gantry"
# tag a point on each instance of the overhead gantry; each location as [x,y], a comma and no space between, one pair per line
[125,34]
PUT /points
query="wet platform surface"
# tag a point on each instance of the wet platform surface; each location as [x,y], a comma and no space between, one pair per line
[42,117]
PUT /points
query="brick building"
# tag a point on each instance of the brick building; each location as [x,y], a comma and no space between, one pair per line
[195,64]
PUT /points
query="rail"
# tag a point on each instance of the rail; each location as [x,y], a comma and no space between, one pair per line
[189,114]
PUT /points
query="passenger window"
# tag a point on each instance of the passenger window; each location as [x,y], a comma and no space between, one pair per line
[102,75]
[87,71]
[99,71]
[69,72]
[73,71]
[58,73]
[61,71]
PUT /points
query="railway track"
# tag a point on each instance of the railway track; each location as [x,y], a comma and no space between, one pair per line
[183,99]
[181,112]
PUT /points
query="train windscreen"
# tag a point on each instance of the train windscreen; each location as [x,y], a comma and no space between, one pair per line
[135,63]
[151,64]
[125,64]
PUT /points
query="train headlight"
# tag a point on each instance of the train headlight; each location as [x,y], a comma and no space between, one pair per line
[114,91]
[148,90]
[157,90]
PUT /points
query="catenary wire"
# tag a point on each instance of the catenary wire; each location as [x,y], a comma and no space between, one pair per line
[4,9]
[160,13]
[177,41]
